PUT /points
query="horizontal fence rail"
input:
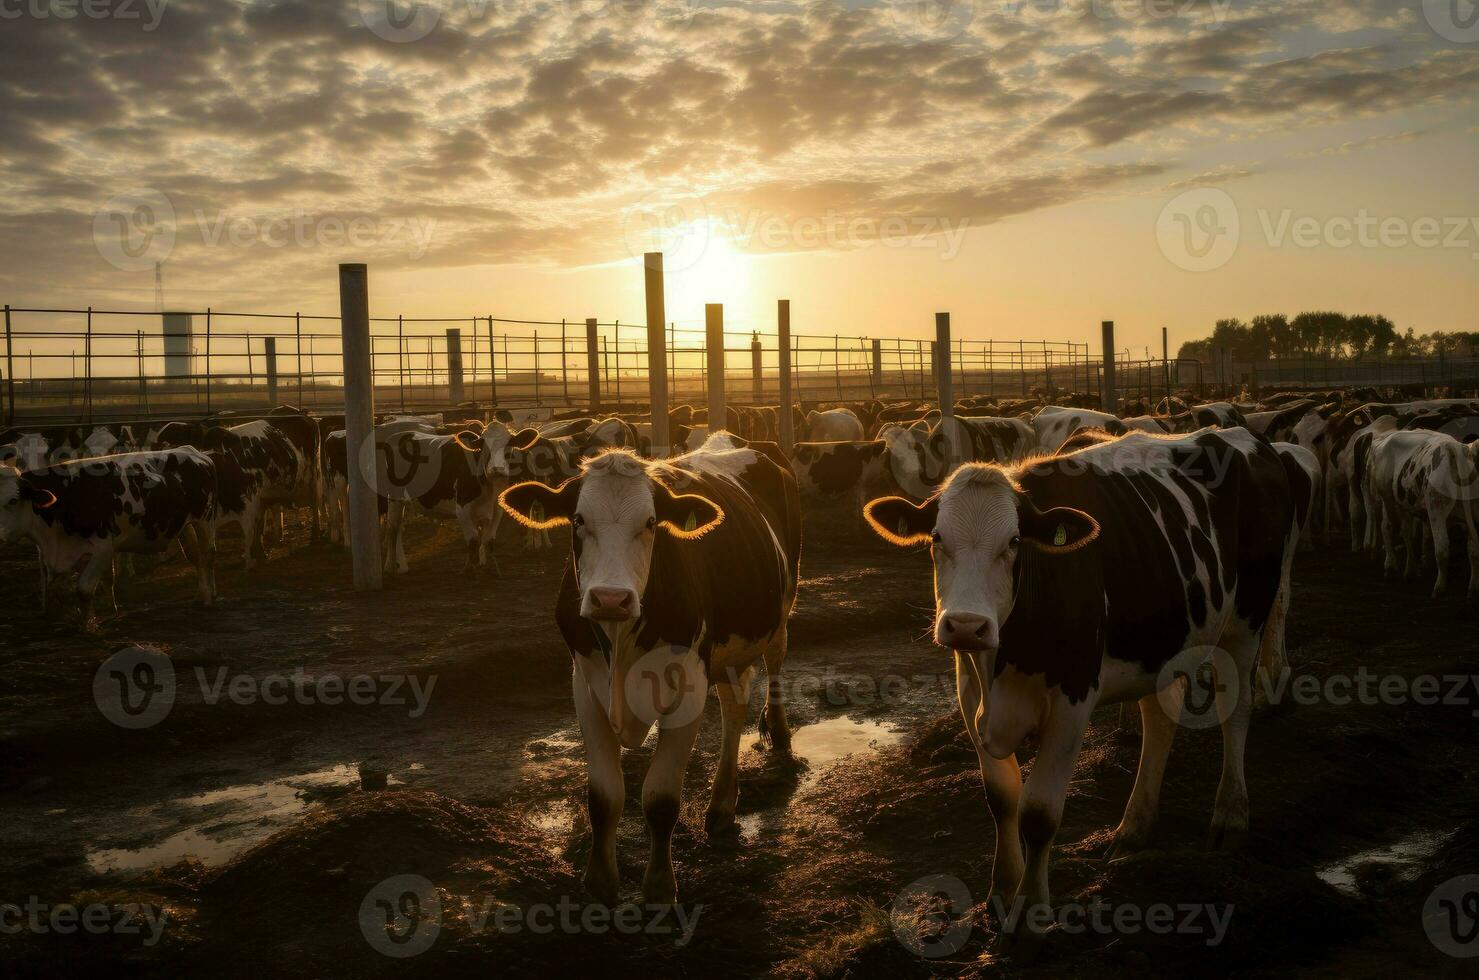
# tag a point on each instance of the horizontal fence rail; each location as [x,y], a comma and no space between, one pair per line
[97,365]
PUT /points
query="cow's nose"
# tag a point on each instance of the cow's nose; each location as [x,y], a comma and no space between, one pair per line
[611,603]
[966,631]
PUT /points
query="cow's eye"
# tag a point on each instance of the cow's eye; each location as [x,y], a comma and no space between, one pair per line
[651,523]
[1015,543]
[577,521]
[935,536]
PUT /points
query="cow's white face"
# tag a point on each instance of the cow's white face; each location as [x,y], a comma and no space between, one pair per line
[977,526]
[615,510]
[16,497]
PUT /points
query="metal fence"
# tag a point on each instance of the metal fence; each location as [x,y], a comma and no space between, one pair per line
[1455,373]
[97,365]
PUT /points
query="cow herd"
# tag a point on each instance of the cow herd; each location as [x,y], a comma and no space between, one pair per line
[1081,558]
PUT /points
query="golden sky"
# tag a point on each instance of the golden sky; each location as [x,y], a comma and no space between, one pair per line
[1032,166]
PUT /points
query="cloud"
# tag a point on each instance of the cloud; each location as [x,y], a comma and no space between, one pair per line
[527,129]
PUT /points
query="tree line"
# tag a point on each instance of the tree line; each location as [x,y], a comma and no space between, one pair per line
[1325,334]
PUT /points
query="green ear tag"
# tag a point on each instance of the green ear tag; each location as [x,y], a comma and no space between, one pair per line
[1060,536]
[690,524]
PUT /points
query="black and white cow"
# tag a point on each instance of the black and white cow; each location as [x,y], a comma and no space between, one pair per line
[682,575]
[1415,481]
[1033,596]
[854,470]
[1054,424]
[445,477]
[920,460]
[30,447]
[1302,467]
[257,466]
[834,425]
[80,514]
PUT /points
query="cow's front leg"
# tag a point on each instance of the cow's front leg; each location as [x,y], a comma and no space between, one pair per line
[87,583]
[662,800]
[467,522]
[605,791]
[1436,541]
[1031,911]
[1002,779]
[1157,732]
[734,699]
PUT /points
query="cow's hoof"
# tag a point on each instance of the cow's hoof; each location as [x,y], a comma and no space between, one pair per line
[1126,845]
[659,890]
[1227,837]
[602,886]
[720,824]
[1021,946]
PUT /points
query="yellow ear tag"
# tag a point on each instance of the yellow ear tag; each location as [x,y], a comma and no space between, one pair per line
[536,512]
[690,524]
[1060,536]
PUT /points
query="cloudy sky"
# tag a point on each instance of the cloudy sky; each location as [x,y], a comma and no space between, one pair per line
[1033,166]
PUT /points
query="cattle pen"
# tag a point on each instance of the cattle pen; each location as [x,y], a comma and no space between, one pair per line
[96,365]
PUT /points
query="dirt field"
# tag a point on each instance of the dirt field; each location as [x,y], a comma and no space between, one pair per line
[246,821]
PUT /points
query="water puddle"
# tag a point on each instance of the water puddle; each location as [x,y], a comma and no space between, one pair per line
[822,744]
[827,741]
[1403,860]
[222,823]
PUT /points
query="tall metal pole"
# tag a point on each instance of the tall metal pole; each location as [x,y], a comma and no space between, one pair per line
[943,383]
[657,359]
[298,347]
[207,360]
[757,367]
[456,392]
[1106,387]
[87,369]
[714,331]
[10,363]
[786,417]
[359,424]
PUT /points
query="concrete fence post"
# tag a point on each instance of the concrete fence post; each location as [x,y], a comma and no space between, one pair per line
[1107,401]
[269,355]
[757,368]
[592,365]
[456,391]
[657,351]
[786,417]
[359,424]
[714,347]
[943,386]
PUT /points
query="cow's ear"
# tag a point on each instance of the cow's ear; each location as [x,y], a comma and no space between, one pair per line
[902,522]
[36,496]
[685,515]
[468,439]
[535,505]
[524,438]
[1057,530]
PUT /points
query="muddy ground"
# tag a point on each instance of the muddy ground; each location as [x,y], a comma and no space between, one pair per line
[246,821]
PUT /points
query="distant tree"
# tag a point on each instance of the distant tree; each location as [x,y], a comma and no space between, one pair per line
[1281,341]
[1321,332]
